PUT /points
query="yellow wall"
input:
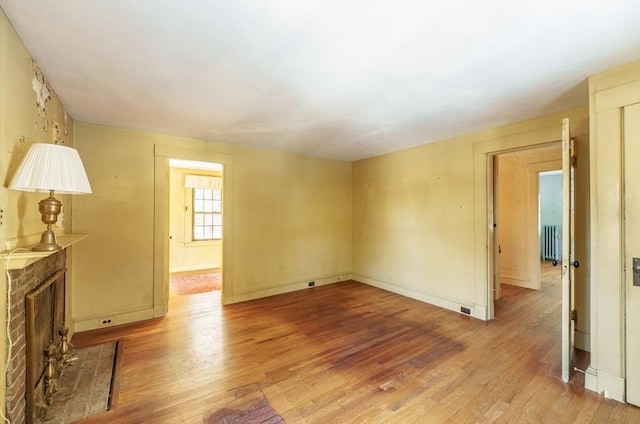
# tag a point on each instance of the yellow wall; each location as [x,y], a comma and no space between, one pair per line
[184,254]
[290,223]
[420,223]
[22,124]
[413,215]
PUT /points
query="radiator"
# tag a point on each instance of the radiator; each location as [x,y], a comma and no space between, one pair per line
[549,243]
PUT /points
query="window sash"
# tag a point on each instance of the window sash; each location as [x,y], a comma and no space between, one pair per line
[207,214]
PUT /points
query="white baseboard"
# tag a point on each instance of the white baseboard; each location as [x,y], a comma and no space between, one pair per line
[591,379]
[476,311]
[611,386]
[94,322]
[198,267]
[287,288]
[518,282]
[159,310]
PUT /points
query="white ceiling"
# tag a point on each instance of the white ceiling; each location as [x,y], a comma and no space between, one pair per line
[336,79]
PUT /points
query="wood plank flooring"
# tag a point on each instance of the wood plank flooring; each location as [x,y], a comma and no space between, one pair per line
[351,353]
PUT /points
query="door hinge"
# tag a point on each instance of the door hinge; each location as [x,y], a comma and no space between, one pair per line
[574,315]
[574,161]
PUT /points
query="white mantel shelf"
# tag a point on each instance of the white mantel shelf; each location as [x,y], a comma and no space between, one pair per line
[23,258]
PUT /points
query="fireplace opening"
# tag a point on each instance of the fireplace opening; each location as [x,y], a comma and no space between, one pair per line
[46,346]
[36,327]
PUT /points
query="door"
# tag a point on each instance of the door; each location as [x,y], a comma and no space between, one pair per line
[568,261]
[497,285]
[631,150]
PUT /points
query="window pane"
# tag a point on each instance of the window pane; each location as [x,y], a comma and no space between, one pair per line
[207,214]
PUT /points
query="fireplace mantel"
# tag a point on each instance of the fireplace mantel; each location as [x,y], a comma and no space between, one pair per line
[23,258]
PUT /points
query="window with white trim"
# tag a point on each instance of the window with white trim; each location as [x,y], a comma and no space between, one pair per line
[207,214]
[206,207]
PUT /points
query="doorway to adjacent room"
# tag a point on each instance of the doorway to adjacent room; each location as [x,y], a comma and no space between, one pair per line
[195,228]
[517,230]
[517,215]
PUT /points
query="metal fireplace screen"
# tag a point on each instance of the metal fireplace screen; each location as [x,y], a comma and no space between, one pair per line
[45,317]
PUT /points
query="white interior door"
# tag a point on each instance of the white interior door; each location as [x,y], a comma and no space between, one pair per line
[567,247]
[632,248]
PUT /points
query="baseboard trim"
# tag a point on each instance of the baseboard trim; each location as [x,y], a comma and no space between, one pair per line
[518,282]
[159,311]
[476,311]
[117,318]
[287,287]
[186,268]
[611,386]
[591,379]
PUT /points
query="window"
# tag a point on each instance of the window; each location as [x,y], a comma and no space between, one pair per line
[207,214]
[205,221]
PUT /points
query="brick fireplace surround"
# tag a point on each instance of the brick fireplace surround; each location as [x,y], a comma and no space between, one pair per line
[22,282]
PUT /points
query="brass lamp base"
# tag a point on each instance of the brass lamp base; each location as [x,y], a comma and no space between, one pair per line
[49,208]
[47,243]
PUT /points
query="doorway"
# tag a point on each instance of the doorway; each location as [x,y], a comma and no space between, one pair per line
[525,242]
[162,154]
[519,269]
[195,227]
[517,219]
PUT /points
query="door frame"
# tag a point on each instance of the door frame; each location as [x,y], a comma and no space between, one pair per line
[631,246]
[609,93]
[183,207]
[489,159]
[162,154]
[532,219]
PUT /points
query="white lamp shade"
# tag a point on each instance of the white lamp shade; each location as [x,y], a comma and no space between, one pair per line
[51,167]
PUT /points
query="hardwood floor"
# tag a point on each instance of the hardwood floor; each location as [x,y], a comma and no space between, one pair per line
[351,353]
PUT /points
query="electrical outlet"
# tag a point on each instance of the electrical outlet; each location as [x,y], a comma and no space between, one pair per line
[312,283]
[105,322]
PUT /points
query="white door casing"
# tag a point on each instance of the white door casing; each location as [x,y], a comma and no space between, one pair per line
[631,149]
[567,248]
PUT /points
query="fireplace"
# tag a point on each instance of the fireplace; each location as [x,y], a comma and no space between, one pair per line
[44,329]
[37,299]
